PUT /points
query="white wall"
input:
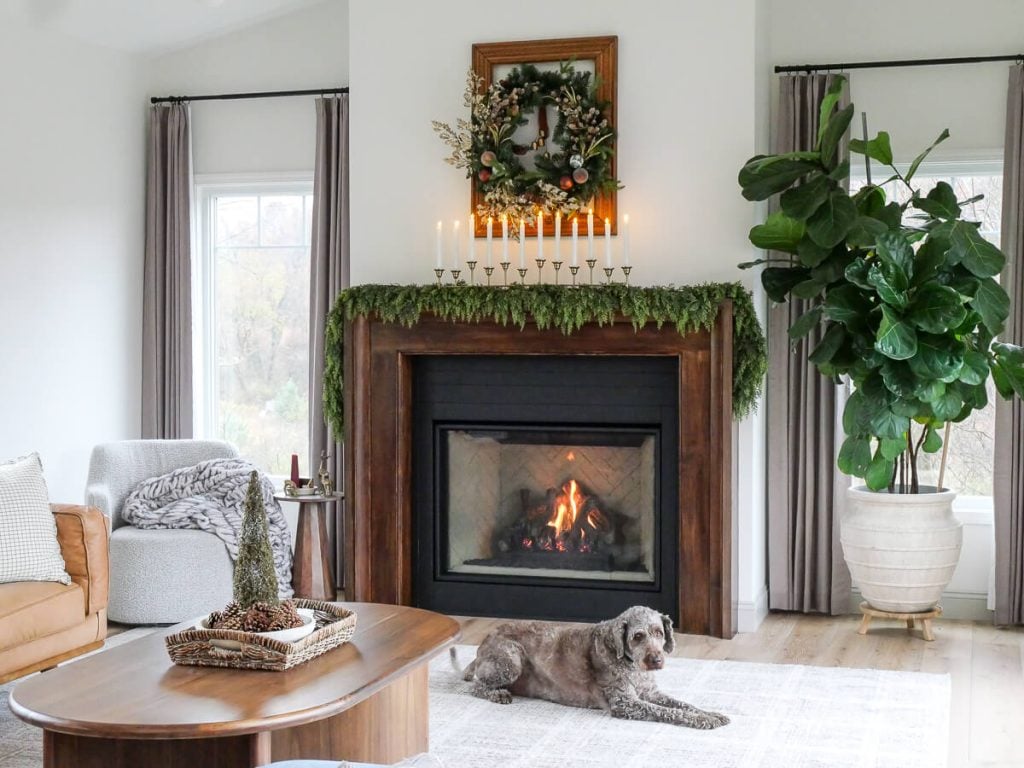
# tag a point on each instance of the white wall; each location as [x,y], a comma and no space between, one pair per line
[914,105]
[71,245]
[685,117]
[306,49]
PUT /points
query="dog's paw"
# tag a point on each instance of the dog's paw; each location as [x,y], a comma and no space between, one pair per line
[715,720]
[500,696]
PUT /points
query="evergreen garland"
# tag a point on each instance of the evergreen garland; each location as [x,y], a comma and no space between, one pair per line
[688,308]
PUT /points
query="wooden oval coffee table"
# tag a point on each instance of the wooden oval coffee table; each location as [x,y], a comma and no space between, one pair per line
[130,706]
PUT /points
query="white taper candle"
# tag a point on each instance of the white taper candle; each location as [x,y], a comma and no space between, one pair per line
[575,240]
[490,239]
[440,246]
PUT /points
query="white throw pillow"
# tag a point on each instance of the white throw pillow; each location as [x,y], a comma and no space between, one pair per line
[29,550]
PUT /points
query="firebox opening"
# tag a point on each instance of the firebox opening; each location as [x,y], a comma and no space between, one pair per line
[550,503]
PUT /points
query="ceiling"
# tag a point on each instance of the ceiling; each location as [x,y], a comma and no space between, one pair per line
[147,26]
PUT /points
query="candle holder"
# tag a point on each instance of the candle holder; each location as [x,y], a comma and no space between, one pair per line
[557,265]
[455,276]
[591,263]
[504,269]
[488,271]
[540,269]
[626,270]
[522,275]
[574,269]
[472,269]
[608,274]
[439,273]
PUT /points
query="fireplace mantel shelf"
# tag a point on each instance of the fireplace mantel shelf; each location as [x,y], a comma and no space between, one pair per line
[379,365]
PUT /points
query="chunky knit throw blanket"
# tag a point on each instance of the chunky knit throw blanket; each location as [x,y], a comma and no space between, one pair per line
[210,497]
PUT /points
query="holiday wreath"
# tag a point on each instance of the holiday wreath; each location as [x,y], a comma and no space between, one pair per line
[565,178]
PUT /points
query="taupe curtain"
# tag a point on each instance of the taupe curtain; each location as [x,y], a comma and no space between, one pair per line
[329,274]
[167,281]
[1008,488]
[806,571]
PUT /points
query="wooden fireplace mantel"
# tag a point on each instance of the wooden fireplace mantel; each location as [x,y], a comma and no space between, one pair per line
[379,543]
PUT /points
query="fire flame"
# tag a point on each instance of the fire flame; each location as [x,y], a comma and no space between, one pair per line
[567,507]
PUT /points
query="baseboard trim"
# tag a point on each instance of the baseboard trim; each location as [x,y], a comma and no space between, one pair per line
[750,613]
[967,606]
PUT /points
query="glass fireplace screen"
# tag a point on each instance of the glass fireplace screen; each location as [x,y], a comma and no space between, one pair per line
[550,504]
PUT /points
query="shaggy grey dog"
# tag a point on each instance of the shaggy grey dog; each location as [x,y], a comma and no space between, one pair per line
[604,666]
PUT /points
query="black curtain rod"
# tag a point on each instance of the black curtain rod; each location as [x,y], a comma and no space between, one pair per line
[898,63]
[254,95]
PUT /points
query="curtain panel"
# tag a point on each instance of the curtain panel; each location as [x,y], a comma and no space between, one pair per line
[1008,486]
[167,277]
[805,491]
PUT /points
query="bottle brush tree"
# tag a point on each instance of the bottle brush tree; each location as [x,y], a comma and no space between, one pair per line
[255,580]
[906,294]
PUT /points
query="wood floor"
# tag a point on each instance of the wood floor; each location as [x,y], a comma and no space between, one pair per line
[986,666]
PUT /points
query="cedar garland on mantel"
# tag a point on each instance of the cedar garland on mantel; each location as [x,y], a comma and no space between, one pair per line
[566,308]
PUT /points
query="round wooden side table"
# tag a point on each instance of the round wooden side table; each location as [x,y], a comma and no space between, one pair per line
[311,566]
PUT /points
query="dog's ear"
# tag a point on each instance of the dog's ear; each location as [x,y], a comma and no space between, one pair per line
[613,635]
[670,639]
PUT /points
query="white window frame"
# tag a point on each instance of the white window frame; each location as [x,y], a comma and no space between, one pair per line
[971,510]
[207,187]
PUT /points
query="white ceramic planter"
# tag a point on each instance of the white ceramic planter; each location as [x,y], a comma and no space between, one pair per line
[901,549]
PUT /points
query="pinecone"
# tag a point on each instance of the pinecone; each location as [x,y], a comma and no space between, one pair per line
[258,618]
[230,618]
[286,616]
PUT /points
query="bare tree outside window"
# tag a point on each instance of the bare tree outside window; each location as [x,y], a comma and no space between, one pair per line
[260,279]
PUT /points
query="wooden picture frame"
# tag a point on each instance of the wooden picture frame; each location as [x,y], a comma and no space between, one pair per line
[603,52]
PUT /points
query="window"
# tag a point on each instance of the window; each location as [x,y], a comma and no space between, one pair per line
[252,318]
[971,445]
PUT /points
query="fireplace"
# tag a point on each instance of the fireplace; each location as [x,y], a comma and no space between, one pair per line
[653,398]
[544,487]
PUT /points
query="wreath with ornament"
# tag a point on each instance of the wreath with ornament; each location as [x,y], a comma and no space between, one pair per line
[572,163]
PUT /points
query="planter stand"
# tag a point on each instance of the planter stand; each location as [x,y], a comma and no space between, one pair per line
[925,618]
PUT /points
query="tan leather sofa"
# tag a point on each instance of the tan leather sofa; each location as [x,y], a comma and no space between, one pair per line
[43,623]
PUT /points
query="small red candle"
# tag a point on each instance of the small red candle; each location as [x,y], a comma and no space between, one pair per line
[295,469]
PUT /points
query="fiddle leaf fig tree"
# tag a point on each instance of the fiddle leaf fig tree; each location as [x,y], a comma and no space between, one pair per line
[905,295]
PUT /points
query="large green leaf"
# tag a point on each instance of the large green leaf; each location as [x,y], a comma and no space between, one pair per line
[899,378]
[1008,369]
[936,309]
[929,260]
[778,233]
[879,148]
[830,343]
[808,289]
[948,406]
[932,440]
[938,357]
[917,160]
[810,253]
[885,423]
[779,281]
[801,201]
[991,302]
[895,250]
[857,414]
[975,369]
[833,133]
[895,339]
[869,199]
[890,283]
[891,447]
[928,390]
[879,472]
[805,323]
[968,247]
[829,102]
[833,219]
[865,231]
[855,456]
[763,177]
[857,273]
[941,202]
[847,304]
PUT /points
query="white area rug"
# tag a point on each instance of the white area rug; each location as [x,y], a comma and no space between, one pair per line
[783,716]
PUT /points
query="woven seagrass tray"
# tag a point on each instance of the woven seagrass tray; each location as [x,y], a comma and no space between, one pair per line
[335,625]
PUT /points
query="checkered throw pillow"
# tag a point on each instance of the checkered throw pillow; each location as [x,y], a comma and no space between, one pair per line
[29,550]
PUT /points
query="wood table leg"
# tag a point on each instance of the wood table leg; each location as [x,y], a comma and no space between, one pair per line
[910,624]
[311,568]
[926,629]
[389,726]
[61,750]
[865,622]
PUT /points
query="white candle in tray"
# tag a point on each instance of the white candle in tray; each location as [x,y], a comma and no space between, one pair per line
[590,235]
[455,243]
[558,236]
[575,240]
[472,238]
[625,239]
[607,242]
[522,243]
[504,239]
[540,234]
[440,247]
[490,239]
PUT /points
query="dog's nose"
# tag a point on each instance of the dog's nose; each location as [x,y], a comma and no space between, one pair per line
[655,662]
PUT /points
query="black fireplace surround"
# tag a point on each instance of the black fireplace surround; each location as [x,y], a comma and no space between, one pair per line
[501,525]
